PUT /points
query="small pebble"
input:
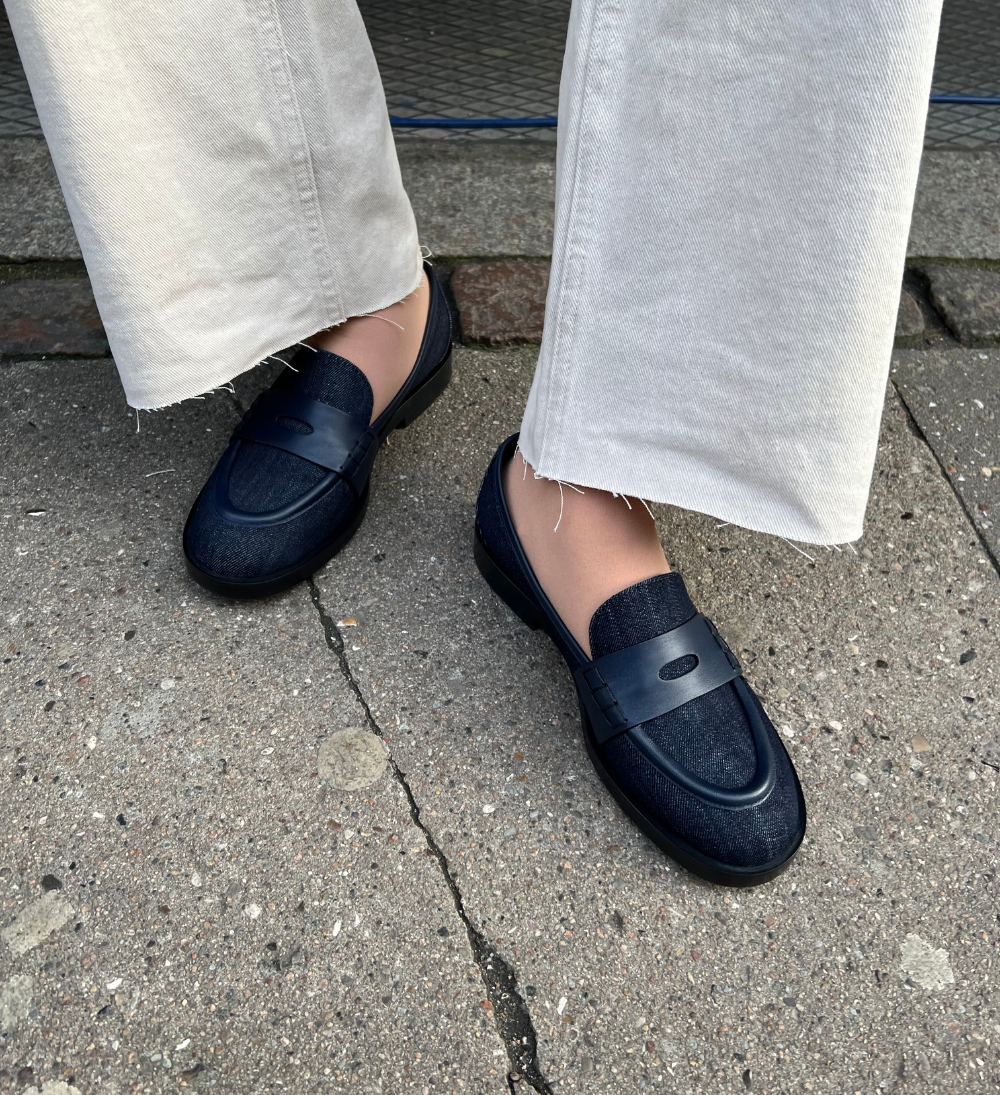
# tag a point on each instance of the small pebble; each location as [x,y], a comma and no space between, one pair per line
[987,473]
[489,809]
[834,725]
[920,744]
[860,779]
[253,911]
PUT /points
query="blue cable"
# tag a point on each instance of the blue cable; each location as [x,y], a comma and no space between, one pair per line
[473,123]
[551,123]
[968,100]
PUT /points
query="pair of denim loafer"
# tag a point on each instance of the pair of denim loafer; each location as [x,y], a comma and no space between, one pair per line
[672,728]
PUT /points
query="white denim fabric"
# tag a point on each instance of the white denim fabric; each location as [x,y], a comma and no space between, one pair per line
[734,191]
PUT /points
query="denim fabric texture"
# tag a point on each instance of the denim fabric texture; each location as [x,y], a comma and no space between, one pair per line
[709,736]
[261,479]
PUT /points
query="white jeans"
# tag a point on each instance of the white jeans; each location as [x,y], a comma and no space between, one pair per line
[734,192]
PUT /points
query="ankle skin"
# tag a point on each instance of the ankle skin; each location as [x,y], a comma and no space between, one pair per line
[600,547]
[383,345]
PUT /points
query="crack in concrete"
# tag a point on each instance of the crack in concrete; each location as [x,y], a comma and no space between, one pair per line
[510,1013]
[915,426]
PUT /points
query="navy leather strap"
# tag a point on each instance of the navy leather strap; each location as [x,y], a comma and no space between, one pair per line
[337,441]
[624,689]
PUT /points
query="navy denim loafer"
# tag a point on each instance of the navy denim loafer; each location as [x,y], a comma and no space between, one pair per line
[293,485]
[673,729]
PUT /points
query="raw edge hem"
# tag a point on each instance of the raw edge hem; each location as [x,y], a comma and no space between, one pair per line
[721,515]
[228,374]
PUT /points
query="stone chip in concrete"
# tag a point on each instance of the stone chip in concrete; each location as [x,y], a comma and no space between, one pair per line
[36,922]
[351,759]
[925,965]
[15,1000]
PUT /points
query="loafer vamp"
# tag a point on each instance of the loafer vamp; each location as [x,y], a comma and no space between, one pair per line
[710,737]
[752,836]
[243,553]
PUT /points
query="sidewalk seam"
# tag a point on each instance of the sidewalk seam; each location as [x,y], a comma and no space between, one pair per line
[510,1013]
[915,426]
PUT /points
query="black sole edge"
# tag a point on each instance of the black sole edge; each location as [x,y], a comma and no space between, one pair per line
[711,870]
[407,412]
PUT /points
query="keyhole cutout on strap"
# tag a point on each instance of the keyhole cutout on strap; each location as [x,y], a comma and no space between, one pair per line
[679,667]
[296,425]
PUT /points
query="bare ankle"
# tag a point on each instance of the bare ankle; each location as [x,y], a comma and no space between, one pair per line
[584,545]
[383,345]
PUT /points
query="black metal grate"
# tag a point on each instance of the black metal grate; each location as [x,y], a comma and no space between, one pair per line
[17,111]
[501,59]
[968,63]
[470,58]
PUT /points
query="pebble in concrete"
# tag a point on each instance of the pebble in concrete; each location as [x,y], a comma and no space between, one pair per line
[968,299]
[352,759]
[15,1000]
[37,922]
[925,965]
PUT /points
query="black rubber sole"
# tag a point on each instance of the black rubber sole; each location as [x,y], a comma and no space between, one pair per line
[409,410]
[679,850]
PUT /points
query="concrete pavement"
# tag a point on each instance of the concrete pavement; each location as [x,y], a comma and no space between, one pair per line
[203,888]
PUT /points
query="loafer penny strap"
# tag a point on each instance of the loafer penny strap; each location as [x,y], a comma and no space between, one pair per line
[332,438]
[624,689]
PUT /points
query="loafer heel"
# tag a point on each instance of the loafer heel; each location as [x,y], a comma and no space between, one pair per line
[503,586]
[424,396]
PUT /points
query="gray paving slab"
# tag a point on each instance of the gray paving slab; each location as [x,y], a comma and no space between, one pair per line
[957,208]
[482,199]
[968,299]
[868,965]
[34,221]
[954,396]
[186,897]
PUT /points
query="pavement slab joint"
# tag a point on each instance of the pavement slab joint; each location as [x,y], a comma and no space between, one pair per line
[934,450]
[510,1013]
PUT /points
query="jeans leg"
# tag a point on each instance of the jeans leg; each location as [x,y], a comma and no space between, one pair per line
[734,191]
[230,172]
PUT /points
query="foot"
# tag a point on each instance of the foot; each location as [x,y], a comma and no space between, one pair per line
[673,729]
[603,544]
[291,489]
[382,344]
